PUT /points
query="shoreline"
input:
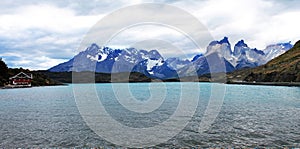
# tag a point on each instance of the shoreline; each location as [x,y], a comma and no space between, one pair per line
[289,84]
[18,87]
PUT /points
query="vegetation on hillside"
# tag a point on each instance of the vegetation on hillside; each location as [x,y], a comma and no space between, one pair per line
[285,68]
[39,79]
[92,77]
[3,72]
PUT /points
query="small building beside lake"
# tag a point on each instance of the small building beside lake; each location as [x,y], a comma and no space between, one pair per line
[21,80]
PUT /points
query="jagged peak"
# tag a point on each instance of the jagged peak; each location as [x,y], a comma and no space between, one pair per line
[224,40]
[241,43]
[96,48]
[155,54]
[196,57]
[93,46]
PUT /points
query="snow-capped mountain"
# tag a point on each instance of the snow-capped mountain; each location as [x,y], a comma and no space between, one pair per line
[177,63]
[206,64]
[222,47]
[275,50]
[244,56]
[152,64]
[107,60]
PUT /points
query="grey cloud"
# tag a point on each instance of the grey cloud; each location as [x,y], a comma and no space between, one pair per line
[58,46]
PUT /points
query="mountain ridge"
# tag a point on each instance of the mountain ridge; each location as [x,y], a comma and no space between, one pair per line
[284,68]
[153,65]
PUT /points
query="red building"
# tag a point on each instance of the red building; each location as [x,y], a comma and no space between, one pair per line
[21,80]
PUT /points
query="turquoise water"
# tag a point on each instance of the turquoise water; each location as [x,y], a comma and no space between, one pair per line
[250,116]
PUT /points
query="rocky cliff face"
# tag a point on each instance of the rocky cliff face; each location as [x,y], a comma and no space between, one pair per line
[152,64]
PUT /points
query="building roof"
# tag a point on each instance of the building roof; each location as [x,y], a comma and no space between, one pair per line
[22,75]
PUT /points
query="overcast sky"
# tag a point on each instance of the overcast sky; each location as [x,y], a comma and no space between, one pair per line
[39,34]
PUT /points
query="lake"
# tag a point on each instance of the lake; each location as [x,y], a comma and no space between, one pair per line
[248,116]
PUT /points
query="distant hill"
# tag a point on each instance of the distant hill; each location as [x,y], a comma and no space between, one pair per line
[284,68]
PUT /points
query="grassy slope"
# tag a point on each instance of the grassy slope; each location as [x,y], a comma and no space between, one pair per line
[285,68]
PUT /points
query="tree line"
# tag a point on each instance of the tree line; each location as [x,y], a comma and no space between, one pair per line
[39,78]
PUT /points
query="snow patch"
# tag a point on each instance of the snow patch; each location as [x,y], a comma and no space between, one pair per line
[93,58]
[152,63]
[103,57]
[96,57]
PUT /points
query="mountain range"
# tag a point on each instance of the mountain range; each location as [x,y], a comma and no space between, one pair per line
[284,68]
[153,65]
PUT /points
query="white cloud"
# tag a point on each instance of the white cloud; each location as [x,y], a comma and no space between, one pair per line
[42,31]
[39,35]
[44,17]
[259,22]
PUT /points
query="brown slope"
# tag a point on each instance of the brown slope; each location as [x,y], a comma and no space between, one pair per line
[284,68]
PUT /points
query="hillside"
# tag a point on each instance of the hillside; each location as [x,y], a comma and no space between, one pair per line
[87,77]
[39,79]
[284,68]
